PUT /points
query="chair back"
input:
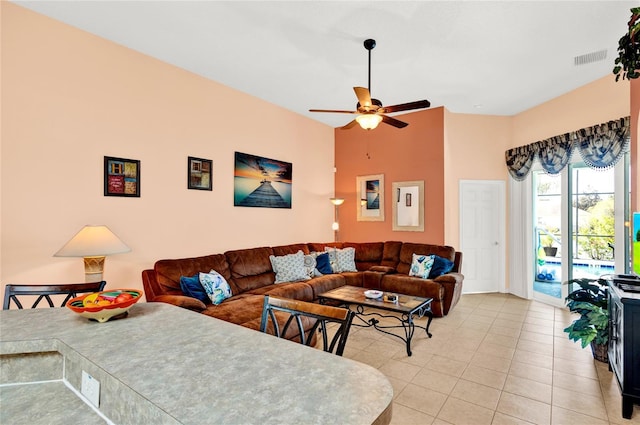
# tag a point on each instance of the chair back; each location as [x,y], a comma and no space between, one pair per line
[71,290]
[316,317]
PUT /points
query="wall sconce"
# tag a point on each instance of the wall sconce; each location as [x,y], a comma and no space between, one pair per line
[336,224]
[93,243]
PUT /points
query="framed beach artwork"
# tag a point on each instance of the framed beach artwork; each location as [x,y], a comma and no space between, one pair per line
[261,182]
[199,173]
[121,177]
[370,190]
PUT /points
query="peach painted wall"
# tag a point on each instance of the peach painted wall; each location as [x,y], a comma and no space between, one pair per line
[594,103]
[474,150]
[415,152]
[70,98]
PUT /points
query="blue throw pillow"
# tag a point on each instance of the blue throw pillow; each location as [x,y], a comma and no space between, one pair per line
[440,267]
[191,287]
[323,264]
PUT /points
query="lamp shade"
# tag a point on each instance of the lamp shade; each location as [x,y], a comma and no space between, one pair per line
[336,201]
[369,121]
[93,241]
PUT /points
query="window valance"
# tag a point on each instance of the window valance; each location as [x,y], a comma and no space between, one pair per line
[600,147]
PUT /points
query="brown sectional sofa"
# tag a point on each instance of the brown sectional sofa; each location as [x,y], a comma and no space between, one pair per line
[380,265]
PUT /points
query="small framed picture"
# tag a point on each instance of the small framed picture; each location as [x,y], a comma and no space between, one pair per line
[199,173]
[121,177]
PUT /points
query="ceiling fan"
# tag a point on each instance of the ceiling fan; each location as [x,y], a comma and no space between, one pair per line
[371,112]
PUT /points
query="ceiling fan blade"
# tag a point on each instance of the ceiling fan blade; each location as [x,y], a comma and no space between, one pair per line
[394,122]
[419,104]
[364,97]
[337,111]
[351,124]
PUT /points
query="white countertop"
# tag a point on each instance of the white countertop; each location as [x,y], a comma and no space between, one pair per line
[188,368]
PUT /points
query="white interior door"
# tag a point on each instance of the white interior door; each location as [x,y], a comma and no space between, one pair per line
[482,235]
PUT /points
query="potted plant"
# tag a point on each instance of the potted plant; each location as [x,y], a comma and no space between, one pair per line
[590,301]
[628,60]
[547,243]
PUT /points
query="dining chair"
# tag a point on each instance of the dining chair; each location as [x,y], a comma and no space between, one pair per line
[316,316]
[71,290]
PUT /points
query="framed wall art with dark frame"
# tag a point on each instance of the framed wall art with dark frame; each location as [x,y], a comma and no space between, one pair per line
[199,172]
[121,177]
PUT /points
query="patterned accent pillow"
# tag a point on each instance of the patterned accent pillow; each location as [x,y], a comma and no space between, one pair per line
[421,266]
[215,286]
[289,268]
[310,265]
[342,260]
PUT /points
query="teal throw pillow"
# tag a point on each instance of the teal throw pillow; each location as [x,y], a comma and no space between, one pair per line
[216,286]
[421,266]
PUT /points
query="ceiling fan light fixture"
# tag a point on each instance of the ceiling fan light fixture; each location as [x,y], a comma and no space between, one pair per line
[369,121]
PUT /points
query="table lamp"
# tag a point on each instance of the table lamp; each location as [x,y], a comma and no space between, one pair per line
[93,243]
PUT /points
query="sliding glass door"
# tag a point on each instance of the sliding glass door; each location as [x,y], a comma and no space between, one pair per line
[580,225]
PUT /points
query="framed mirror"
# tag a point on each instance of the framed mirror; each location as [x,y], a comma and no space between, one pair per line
[408,206]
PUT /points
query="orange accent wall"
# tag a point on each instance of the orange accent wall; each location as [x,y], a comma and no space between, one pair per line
[415,152]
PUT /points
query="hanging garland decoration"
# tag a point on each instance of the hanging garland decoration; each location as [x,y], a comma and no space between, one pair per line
[600,146]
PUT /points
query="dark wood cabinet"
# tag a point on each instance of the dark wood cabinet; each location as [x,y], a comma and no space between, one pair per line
[624,344]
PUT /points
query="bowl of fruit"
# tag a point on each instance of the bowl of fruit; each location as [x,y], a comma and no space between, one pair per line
[105,305]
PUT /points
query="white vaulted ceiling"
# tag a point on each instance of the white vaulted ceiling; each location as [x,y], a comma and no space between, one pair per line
[479,57]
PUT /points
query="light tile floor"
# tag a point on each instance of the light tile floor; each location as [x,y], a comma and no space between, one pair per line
[495,359]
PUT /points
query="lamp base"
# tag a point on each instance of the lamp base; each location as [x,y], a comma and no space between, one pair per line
[93,268]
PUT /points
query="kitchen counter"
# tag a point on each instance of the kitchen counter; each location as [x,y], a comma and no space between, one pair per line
[164,364]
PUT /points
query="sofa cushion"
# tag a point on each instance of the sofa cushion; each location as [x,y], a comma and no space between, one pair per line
[168,272]
[295,290]
[368,254]
[421,266]
[342,260]
[290,249]
[192,287]
[440,267]
[289,268]
[250,268]
[215,286]
[322,284]
[391,254]
[409,248]
[237,310]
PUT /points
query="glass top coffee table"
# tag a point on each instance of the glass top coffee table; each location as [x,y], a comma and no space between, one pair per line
[407,306]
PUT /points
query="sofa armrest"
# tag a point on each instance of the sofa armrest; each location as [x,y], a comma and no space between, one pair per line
[452,285]
[181,301]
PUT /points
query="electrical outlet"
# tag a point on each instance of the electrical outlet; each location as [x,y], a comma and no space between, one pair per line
[90,388]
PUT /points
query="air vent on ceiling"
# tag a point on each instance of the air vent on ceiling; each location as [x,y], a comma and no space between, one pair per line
[598,56]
